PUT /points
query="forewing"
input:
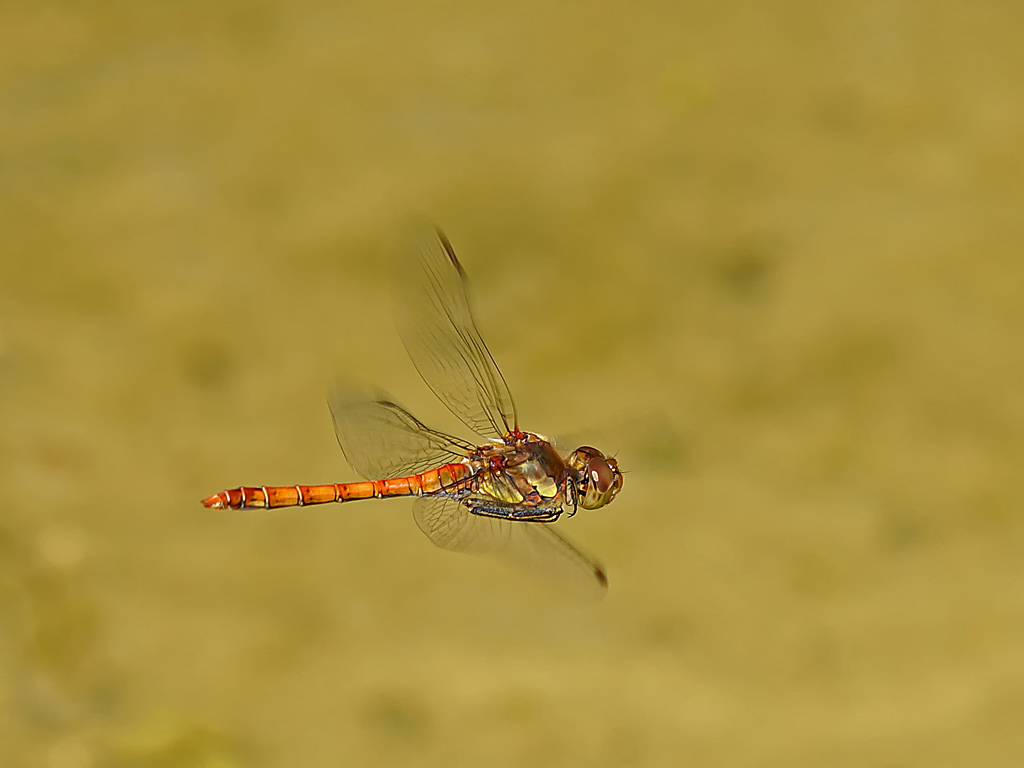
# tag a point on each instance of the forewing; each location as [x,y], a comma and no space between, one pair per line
[382,440]
[536,546]
[437,326]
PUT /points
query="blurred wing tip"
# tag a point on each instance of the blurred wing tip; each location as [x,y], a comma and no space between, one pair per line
[342,396]
[446,244]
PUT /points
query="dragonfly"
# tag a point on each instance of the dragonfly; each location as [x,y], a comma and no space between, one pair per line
[497,495]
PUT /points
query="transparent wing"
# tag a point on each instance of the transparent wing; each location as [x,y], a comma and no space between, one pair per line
[439,331]
[537,546]
[382,440]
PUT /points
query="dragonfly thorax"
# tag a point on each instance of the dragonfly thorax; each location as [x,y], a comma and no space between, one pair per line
[523,470]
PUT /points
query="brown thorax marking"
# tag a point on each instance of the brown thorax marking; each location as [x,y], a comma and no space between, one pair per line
[526,469]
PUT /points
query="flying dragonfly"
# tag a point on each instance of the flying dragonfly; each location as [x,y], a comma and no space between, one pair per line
[499,496]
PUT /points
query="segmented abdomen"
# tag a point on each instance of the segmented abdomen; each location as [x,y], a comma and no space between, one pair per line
[444,477]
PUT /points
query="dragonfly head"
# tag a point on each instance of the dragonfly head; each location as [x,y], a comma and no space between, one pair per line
[598,475]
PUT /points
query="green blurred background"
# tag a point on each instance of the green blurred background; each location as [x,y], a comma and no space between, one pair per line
[770,253]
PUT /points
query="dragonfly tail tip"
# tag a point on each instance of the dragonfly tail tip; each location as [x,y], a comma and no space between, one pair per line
[214,502]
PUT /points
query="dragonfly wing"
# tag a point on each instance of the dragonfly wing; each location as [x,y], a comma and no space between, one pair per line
[439,331]
[381,440]
[537,546]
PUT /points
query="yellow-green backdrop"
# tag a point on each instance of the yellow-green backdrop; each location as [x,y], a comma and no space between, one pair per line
[771,253]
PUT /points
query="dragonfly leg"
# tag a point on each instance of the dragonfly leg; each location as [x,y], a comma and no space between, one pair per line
[525,514]
[573,496]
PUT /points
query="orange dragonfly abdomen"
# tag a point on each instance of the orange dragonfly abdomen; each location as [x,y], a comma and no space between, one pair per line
[447,477]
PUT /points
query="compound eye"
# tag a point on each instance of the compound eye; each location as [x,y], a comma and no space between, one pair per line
[600,474]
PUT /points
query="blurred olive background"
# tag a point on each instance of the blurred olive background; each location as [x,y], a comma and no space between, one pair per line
[769,253]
